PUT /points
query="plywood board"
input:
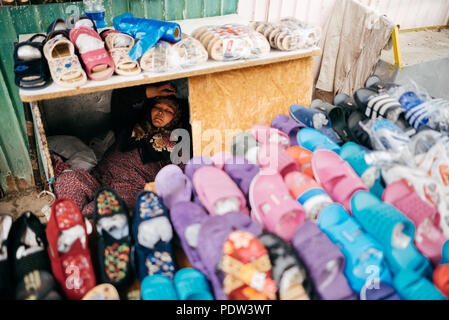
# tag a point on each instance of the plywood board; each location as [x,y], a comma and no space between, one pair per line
[227,103]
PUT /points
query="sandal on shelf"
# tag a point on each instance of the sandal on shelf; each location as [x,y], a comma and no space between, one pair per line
[118,45]
[30,66]
[98,63]
[65,68]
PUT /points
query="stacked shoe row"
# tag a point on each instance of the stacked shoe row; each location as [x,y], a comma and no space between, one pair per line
[70,57]
[60,261]
[354,229]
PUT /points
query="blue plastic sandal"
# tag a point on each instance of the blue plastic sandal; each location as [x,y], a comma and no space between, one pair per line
[371,177]
[393,231]
[191,284]
[312,140]
[364,256]
[314,119]
[157,287]
[411,286]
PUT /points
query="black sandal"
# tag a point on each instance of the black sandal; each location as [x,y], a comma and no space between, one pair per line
[31,73]
[27,249]
[338,118]
[6,286]
[375,83]
[360,135]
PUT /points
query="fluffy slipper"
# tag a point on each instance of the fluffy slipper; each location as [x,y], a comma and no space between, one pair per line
[172,185]
[68,249]
[111,220]
[153,234]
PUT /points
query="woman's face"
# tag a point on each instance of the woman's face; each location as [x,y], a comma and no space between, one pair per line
[162,114]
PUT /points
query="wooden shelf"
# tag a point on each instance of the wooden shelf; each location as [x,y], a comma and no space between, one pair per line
[54,91]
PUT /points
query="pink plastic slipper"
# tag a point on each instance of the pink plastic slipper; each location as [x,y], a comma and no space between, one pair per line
[218,193]
[266,135]
[98,63]
[336,176]
[273,206]
[429,239]
[273,157]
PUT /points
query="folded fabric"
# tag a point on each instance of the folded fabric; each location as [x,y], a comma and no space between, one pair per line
[153,234]
[324,261]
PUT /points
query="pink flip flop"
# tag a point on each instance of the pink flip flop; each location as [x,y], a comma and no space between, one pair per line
[336,176]
[429,239]
[273,157]
[218,193]
[98,63]
[273,206]
[266,135]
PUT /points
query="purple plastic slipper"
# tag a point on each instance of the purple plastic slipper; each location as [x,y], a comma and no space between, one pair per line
[212,235]
[324,261]
[289,126]
[187,218]
[242,172]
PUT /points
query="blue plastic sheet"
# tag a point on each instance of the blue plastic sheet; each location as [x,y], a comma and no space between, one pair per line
[147,31]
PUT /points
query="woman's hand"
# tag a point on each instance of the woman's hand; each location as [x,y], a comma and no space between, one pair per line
[161,91]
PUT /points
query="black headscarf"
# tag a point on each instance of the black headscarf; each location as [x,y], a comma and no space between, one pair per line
[154,143]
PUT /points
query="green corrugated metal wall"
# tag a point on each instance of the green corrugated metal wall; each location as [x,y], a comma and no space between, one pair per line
[15,166]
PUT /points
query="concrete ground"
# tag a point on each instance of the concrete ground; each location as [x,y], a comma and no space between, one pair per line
[421,46]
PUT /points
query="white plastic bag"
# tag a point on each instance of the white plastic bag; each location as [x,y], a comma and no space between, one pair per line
[77,153]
